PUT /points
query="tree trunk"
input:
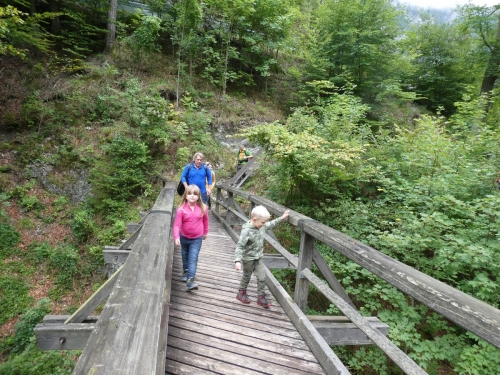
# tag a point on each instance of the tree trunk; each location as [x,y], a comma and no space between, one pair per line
[56,23]
[492,69]
[110,37]
[226,60]
[32,7]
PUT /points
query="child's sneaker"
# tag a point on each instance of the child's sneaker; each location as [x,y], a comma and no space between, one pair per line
[184,276]
[243,296]
[191,285]
[263,301]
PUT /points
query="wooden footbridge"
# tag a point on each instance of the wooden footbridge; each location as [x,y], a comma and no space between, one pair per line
[151,325]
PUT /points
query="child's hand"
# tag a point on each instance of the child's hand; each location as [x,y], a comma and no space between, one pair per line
[237,266]
[177,242]
[285,215]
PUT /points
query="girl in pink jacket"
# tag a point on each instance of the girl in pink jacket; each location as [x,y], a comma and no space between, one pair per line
[190,228]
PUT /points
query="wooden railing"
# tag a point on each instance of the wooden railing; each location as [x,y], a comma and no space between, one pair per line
[130,334]
[466,311]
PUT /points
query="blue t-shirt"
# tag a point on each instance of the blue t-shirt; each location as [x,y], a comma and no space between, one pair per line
[197,177]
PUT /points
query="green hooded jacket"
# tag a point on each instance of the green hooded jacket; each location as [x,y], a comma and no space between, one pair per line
[251,243]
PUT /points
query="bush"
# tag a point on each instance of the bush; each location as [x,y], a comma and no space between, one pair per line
[38,252]
[31,203]
[33,361]
[24,327]
[14,297]
[64,260]
[9,238]
[121,173]
[183,157]
[82,225]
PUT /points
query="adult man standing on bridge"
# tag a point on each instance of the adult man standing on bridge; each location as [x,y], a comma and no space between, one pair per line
[197,173]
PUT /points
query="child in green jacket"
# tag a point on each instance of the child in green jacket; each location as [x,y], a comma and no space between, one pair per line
[249,253]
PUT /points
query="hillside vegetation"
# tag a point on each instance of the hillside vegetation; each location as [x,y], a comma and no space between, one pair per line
[382,128]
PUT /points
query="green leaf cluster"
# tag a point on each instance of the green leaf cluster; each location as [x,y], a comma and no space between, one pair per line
[122,171]
[424,195]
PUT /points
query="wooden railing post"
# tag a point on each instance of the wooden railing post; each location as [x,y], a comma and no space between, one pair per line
[305,260]
[252,206]
[219,199]
[229,214]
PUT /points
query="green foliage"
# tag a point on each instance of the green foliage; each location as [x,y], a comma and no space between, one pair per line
[424,196]
[4,202]
[24,327]
[14,297]
[144,39]
[320,149]
[197,123]
[9,238]
[83,226]
[64,261]
[183,157]
[30,203]
[478,358]
[355,41]
[36,362]
[38,253]
[122,171]
[17,30]
[113,232]
[25,223]
[441,68]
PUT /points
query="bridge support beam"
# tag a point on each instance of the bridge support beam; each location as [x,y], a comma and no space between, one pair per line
[305,260]
[53,334]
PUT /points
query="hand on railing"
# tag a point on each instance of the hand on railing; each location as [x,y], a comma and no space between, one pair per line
[285,215]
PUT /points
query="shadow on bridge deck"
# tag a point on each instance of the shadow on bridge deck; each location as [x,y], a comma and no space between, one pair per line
[212,332]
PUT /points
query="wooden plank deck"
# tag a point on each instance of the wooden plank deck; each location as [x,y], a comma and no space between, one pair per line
[210,331]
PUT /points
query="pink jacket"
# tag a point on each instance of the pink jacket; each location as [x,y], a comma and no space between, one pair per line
[190,223]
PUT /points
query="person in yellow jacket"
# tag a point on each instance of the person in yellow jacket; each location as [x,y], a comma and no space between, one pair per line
[209,166]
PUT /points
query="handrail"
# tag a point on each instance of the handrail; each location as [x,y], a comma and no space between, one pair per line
[466,311]
[130,336]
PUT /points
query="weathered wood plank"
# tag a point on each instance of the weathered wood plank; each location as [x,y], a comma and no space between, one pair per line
[53,336]
[205,363]
[273,261]
[330,277]
[240,345]
[165,315]
[115,256]
[324,354]
[95,300]
[60,319]
[226,306]
[127,337]
[232,337]
[231,324]
[127,245]
[132,227]
[400,358]
[348,333]
[228,361]
[179,368]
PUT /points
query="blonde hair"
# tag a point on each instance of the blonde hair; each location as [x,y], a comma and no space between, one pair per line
[193,189]
[260,212]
